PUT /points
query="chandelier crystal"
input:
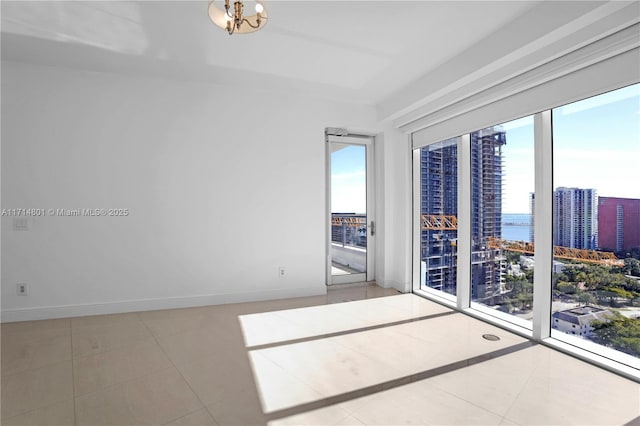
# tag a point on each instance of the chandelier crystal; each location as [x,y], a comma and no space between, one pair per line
[233,19]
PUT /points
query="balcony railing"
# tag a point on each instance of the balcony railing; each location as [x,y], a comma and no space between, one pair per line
[349,229]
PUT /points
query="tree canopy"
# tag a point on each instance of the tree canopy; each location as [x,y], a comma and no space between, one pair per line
[619,333]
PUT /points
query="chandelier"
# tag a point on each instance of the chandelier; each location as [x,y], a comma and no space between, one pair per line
[233,19]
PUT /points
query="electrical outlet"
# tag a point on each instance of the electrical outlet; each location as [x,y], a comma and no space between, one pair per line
[22,289]
[281,271]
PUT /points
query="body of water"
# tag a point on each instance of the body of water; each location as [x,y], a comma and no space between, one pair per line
[516,227]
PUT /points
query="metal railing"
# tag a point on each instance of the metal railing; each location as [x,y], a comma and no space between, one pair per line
[349,229]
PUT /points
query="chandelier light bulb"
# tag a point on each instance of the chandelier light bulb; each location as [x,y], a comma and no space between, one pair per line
[229,15]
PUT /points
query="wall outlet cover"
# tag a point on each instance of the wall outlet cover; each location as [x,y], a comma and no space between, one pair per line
[22,289]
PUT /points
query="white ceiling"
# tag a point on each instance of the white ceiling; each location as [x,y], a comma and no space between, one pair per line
[362,51]
[391,54]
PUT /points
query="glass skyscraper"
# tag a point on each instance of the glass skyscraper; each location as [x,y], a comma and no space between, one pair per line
[575,218]
[439,196]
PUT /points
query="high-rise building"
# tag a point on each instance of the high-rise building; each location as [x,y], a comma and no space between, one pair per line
[575,218]
[439,196]
[618,223]
[487,264]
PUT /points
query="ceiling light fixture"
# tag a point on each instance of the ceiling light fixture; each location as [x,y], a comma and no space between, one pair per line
[233,20]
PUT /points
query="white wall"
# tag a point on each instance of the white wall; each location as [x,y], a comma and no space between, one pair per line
[223,186]
[394,213]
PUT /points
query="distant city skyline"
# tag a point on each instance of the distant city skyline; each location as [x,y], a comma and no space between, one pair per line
[596,146]
[575,218]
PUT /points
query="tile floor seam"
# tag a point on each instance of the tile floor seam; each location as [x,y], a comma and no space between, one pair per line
[387,307]
[373,359]
[346,414]
[366,355]
[158,336]
[379,326]
[5,419]
[73,380]
[2,376]
[202,404]
[107,351]
[113,385]
[36,369]
[57,401]
[408,379]
[112,348]
[407,333]
[515,399]
[221,398]
[184,415]
[504,418]
[486,409]
[143,377]
[206,407]
[127,380]
[282,317]
[311,384]
[352,414]
[9,333]
[138,315]
[93,327]
[414,378]
[302,380]
[295,378]
[468,401]
[532,377]
[168,335]
[152,333]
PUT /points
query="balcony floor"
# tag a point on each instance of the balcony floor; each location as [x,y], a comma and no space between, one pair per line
[359,355]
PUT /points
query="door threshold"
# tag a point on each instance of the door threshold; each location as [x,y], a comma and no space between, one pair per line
[350,285]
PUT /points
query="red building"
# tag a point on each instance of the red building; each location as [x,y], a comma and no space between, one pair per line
[618,223]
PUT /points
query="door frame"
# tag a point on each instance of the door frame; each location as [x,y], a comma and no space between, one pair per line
[343,137]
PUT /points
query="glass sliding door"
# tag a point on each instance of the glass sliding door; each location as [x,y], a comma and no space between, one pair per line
[351,223]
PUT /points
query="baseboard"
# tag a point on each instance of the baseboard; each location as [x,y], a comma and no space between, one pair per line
[80,310]
[401,287]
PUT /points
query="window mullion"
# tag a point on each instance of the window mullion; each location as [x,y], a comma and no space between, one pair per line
[417,231]
[464,223]
[543,225]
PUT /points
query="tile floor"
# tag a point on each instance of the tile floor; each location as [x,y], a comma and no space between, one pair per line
[391,360]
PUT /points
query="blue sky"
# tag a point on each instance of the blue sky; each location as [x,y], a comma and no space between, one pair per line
[596,144]
[348,180]
[518,173]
